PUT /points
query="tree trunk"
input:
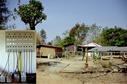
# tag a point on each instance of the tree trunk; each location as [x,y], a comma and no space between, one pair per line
[32,26]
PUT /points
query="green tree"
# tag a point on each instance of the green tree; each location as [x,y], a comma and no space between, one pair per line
[58,41]
[49,43]
[32,13]
[43,34]
[4,14]
[61,42]
[75,36]
[68,40]
[113,37]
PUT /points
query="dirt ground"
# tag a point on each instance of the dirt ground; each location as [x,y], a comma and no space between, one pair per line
[66,78]
[55,78]
[67,72]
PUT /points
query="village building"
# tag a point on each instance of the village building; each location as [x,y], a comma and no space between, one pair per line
[111,51]
[48,51]
[74,48]
[70,48]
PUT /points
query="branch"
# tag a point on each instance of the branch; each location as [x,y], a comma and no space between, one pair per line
[38,21]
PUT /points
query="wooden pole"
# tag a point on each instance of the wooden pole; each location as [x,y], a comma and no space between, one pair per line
[86,54]
[111,57]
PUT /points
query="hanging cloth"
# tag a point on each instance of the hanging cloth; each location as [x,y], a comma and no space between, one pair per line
[20,62]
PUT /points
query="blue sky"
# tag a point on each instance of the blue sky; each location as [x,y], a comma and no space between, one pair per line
[64,14]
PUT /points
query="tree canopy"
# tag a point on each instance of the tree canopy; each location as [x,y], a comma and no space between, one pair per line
[58,41]
[113,37]
[32,13]
[83,34]
[78,33]
[75,35]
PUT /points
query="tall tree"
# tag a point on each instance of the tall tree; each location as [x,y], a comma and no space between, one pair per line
[4,13]
[75,36]
[39,39]
[78,32]
[93,32]
[32,13]
[43,35]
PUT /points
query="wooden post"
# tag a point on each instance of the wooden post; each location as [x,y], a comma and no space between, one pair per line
[111,57]
[86,54]
[124,57]
[101,55]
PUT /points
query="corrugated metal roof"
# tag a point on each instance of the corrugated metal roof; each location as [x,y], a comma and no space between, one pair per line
[91,45]
[109,48]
